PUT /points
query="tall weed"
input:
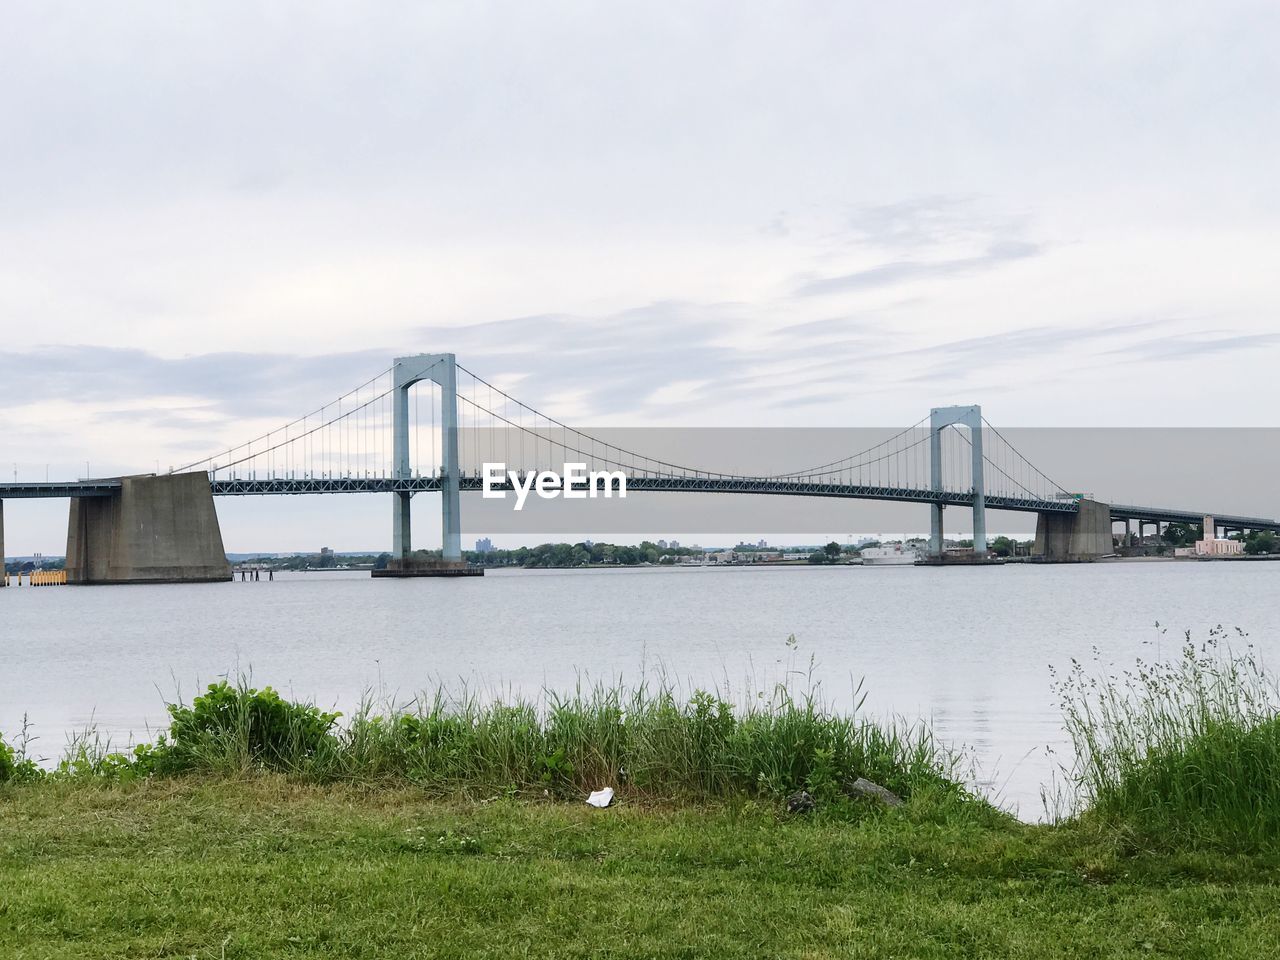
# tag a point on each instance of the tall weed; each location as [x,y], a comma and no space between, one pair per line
[1180,749]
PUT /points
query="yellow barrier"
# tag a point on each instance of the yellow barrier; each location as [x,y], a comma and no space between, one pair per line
[37,578]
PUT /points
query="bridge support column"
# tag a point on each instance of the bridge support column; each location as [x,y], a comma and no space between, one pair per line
[939,419]
[1077,537]
[440,368]
[155,530]
[2,579]
[401,526]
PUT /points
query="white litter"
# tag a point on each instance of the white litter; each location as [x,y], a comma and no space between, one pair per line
[601,798]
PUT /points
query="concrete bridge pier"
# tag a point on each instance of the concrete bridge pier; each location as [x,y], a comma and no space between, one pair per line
[1078,537]
[2,579]
[156,529]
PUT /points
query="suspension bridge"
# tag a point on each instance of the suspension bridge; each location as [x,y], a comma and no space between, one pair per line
[427,424]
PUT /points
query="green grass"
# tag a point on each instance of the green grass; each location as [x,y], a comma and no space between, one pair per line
[267,867]
[1182,751]
[647,741]
[257,827]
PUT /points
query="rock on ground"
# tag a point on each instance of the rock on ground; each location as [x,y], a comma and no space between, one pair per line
[863,787]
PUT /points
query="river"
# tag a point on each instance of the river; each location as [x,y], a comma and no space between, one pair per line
[967,648]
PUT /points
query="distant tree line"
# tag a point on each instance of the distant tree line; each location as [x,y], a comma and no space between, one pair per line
[1256,542]
[828,554]
[584,554]
[316,561]
[1008,547]
[26,566]
[580,555]
[1260,542]
[1182,534]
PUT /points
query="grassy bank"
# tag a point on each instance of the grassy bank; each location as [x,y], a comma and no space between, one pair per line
[1179,751]
[454,826]
[269,867]
[650,743]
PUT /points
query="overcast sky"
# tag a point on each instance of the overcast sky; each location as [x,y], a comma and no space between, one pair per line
[214,216]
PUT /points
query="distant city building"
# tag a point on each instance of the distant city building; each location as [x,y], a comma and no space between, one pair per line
[662,544]
[484,545]
[1211,546]
[674,544]
[750,555]
[325,552]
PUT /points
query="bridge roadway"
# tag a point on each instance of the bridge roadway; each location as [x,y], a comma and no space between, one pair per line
[1122,511]
[59,489]
[641,483]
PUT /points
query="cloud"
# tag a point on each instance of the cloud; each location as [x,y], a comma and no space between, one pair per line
[1076,350]
[777,227]
[904,271]
[584,370]
[918,223]
[239,384]
[1200,344]
[613,363]
[822,328]
[1023,342]
[809,400]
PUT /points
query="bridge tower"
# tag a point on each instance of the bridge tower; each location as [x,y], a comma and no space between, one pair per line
[440,368]
[939,419]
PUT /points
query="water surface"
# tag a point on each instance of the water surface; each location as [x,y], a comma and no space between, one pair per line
[968,647]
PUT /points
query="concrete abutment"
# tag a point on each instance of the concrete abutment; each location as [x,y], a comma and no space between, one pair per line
[161,529]
[1075,537]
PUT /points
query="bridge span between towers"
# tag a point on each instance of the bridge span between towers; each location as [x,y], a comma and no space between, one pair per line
[426,424]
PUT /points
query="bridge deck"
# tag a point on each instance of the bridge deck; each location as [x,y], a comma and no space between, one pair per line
[1120,511]
[679,484]
[744,485]
[748,485]
[59,489]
